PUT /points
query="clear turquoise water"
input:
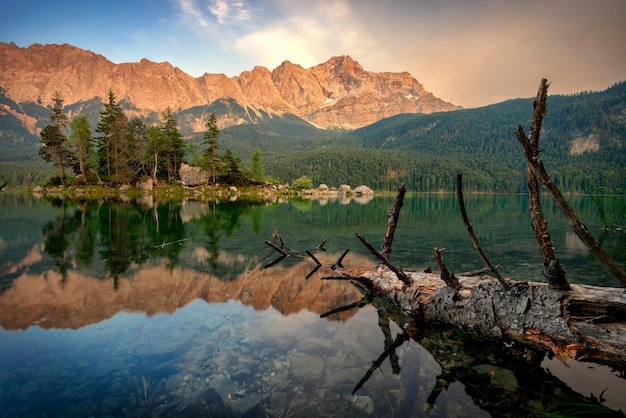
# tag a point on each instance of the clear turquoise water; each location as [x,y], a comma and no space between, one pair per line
[167,310]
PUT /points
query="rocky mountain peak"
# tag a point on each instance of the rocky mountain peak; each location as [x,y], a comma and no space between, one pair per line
[337,93]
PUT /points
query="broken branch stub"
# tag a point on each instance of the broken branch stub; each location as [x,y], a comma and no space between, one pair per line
[392,222]
[446,275]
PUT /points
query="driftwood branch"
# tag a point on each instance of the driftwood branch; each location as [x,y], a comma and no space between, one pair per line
[538,170]
[552,267]
[470,231]
[277,248]
[398,272]
[366,300]
[392,222]
[339,262]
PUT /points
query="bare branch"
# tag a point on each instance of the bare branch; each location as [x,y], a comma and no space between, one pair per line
[470,230]
[399,273]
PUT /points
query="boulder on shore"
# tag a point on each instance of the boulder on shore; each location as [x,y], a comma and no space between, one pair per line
[192,176]
[363,190]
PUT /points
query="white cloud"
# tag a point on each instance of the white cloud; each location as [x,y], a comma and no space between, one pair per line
[229,11]
[472,52]
[190,12]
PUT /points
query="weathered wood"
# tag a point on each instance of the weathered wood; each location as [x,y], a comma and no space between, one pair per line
[539,171]
[384,260]
[446,275]
[392,222]
[470,231]
[552,268]
[586,322]
[572,321]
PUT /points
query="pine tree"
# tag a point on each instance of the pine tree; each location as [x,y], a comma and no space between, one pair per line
[55,146]
[175,153]
[231,166]
[257,171]
[112,143]
[212,158]
[137,146]
[82,139]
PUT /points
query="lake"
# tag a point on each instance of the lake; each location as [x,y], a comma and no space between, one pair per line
[142,309]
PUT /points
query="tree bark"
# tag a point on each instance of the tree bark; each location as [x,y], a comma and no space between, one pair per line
[586,322]
[538,170]
[392,222]
[470,230]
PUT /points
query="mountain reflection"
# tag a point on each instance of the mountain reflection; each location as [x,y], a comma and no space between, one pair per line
[111,257]
[54,300]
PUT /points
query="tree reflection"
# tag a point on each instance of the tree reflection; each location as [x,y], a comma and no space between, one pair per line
[123,238]
[57,239]
[122,235]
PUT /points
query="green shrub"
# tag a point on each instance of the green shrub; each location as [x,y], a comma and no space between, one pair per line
[302,183]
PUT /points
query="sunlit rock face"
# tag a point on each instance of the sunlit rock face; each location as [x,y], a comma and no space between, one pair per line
[338,93]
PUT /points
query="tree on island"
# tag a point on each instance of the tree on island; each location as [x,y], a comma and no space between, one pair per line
[257,171]
[175,146]
[83,143]
[212,159]
[55,145]
[127,150]
[112,143]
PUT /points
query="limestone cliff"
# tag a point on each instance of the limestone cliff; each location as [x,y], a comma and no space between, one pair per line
[337,93]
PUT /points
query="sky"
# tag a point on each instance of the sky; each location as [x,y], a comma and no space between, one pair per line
[471,52]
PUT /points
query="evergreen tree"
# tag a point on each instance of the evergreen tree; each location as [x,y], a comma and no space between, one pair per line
[82,141]
[212,158]
[257,171]
[137,145]
[175,153]
[55,146]
[232,173]
[112,147]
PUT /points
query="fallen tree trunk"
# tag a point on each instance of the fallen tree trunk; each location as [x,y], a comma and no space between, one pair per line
[586,322]
[572,321]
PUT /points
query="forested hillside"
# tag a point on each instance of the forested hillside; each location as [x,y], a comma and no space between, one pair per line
[583,145]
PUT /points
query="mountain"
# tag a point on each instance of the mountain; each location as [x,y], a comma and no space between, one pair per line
[282,112]
[336,94]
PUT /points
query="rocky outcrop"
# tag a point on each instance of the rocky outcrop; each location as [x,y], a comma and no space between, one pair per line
[337,93]
[192,176]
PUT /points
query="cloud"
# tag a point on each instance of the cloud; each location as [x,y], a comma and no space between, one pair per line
[306,33]
[192,14]
[227,12]
[474,53]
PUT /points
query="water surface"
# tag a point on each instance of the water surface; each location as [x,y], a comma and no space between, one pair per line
[145,309]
